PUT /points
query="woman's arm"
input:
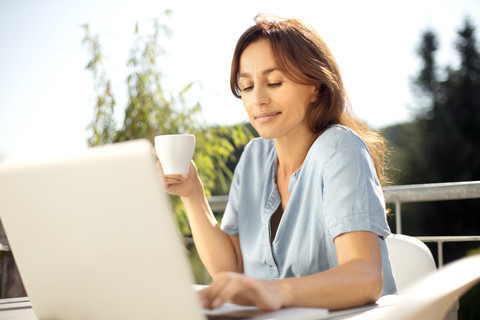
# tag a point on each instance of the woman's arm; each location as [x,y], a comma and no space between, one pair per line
[357,280]
[218,251]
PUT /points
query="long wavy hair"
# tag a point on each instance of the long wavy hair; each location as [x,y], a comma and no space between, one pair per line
[302,54]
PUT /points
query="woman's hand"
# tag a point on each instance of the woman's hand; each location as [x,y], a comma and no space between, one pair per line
[219,252]
[180,184]
[356,281]
[239,289]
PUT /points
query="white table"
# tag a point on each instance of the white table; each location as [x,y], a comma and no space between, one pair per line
[21,309]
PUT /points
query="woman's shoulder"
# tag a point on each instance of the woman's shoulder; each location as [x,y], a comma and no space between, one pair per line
[339,132]
[337,136]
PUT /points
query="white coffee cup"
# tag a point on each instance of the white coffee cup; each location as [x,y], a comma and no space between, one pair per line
[175,151]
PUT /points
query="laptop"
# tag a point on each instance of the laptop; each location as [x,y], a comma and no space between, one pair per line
[94,237]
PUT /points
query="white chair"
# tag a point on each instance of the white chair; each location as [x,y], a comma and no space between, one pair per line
[410,259]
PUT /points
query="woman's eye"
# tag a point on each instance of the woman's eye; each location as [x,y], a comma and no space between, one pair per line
[247,88]
[275,84]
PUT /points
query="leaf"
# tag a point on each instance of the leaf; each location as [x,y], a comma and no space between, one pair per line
[151,110]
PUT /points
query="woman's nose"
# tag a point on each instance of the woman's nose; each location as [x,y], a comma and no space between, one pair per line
[260,96]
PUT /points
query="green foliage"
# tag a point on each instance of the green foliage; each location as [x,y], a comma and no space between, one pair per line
[427,78]
[103,125]
[472,252]
[453,127]
[151,111]
[442,145]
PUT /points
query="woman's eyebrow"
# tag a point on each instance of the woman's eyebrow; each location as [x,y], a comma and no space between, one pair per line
[265,72]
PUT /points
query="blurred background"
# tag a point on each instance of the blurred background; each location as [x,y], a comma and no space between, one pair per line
[47,98]
[80,74]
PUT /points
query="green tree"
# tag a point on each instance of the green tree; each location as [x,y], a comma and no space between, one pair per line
[426,82]
[454,127]
[442,145]
[151,111]
[451,130]
[103,124]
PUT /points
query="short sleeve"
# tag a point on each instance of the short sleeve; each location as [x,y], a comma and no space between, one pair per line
[229,223]
[353,197]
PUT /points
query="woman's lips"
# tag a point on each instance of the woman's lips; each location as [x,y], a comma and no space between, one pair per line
[266,117]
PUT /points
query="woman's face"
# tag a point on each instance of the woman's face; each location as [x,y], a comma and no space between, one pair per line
[276,105]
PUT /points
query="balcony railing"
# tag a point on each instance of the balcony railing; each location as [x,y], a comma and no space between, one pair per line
[432,192]
[411,193]
[395,195]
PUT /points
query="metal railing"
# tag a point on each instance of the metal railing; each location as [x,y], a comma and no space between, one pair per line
[432,192]
[411,193]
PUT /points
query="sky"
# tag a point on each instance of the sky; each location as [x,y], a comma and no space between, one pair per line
[47,97]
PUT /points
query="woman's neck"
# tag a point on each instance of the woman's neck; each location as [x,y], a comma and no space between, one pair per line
[292,151]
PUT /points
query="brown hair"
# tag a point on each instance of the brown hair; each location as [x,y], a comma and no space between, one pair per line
[302,54]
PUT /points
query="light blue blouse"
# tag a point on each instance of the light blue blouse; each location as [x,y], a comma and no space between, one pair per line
[334,192]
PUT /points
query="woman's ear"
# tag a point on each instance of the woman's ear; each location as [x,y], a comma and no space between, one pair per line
[315,95]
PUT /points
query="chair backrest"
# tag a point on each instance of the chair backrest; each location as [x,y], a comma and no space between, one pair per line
[410,258]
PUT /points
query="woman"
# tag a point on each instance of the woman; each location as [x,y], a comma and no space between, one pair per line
[305,222]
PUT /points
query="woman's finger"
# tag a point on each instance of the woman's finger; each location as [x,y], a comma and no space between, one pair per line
[212,292]
[231,287]
[240,289]
[169,179]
